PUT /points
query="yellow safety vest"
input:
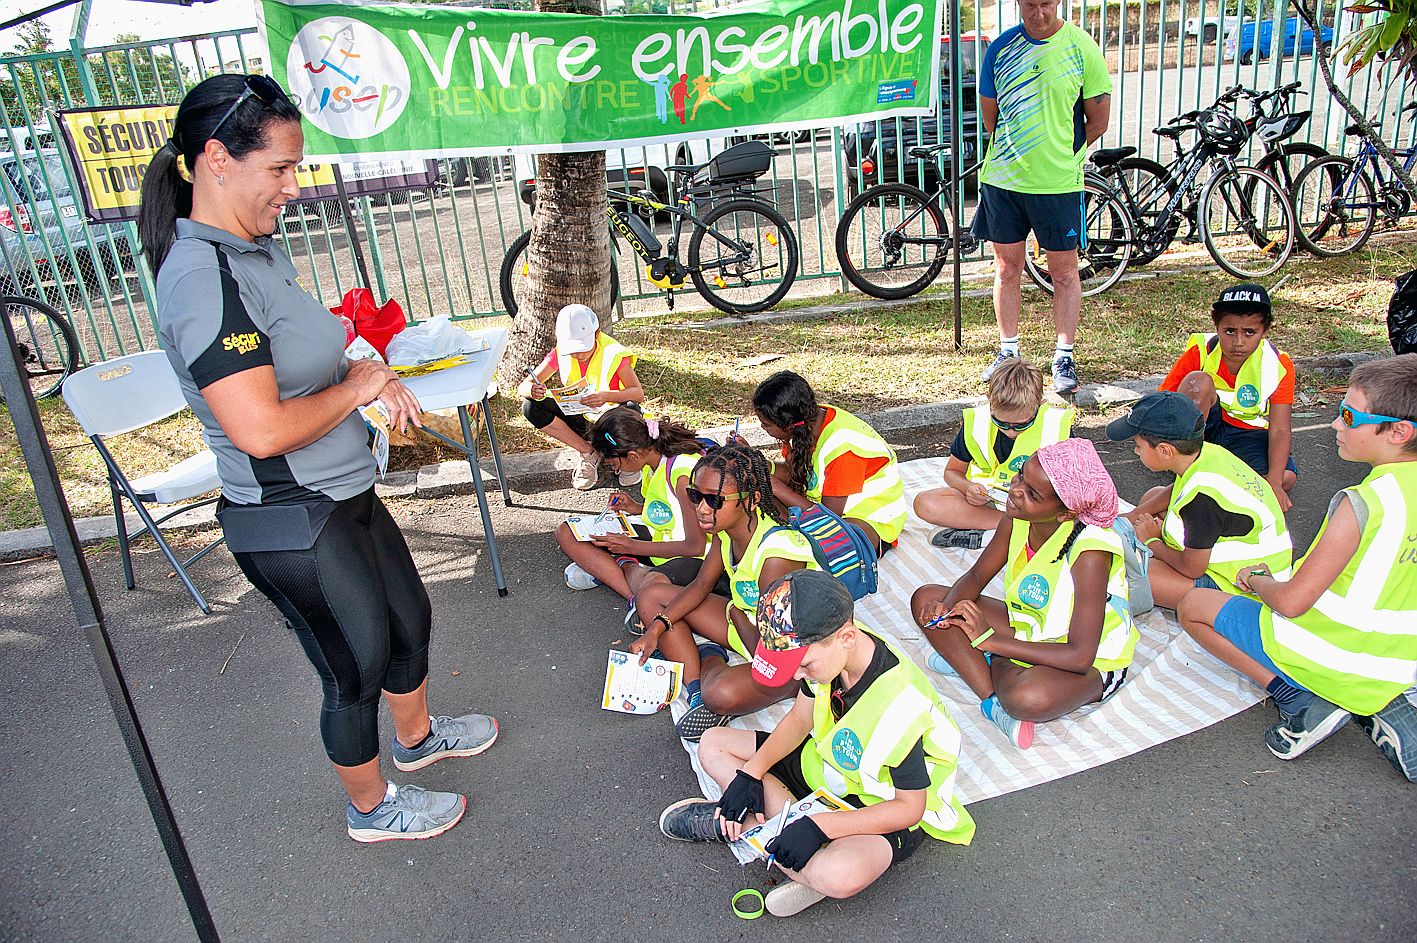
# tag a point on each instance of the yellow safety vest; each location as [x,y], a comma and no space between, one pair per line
[1039,592]
[881,500]
[605,362]
[662,513]
[854,756]
[1248,400]
[1239,489]
[1051,425]
[769,540]
[1357,646]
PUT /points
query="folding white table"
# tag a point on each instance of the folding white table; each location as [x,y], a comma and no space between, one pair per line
[460,386]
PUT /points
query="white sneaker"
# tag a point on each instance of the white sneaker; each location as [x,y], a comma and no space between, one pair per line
[587,472]
[790,899]
[578,578]
[628,478]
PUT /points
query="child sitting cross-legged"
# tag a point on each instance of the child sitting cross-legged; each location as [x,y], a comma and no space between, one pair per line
[1218,518]
[1339,638]
[992,445]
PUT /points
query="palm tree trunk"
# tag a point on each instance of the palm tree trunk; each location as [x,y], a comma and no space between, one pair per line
[1307,13]
[569,253]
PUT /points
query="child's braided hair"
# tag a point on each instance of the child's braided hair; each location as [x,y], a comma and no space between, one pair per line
[751,470]
[1078,528]
[786,400]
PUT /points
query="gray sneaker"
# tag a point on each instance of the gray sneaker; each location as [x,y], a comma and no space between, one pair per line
[467,735]
[411,813]
[963,539]
[1394,730]
[691,820]
[1298,733]
[999,358]
[1065,376]
[697,720]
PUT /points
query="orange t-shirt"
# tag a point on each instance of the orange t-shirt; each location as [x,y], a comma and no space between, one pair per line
[1190,361]
[848,473]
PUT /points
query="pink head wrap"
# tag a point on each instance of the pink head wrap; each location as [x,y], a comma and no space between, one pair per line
[1081,480]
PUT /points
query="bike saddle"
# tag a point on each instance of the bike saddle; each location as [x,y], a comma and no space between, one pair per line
[1354,130]
[928,150]
[687,168]
[1108,156]
[1168,132]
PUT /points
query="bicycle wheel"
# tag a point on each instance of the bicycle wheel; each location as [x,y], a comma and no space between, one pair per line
[48,347]
[1105,250]
[743,256]
[1247,238]
[512,276]
[1148,188]
[1335,207]
[1286,163]
[892,241]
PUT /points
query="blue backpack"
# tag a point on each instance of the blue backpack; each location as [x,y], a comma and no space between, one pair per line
[841,548]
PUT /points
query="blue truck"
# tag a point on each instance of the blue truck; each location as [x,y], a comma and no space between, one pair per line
[1258,38]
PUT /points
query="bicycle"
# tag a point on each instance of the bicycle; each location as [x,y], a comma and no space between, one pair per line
[740,245]
[894,239]
[1337,200]
[47,345]
[1240,214]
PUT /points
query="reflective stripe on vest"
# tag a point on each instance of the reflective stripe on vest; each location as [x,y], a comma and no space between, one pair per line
[1255,382]
[1357,646]
[662,514]
[1051,425]
[1039,592]
[1239,489]
[600,372]
[881,500]
[854,756]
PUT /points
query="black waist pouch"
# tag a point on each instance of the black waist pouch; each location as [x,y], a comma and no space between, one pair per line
[256,528]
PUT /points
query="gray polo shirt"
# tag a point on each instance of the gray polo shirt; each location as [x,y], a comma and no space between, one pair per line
[225,305]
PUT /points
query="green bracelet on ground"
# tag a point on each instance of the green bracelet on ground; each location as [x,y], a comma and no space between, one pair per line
[748,903]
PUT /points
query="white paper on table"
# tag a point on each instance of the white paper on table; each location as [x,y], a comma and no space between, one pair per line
[632,688]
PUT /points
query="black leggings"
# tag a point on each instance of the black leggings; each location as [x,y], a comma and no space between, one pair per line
[542,412]
[358,606]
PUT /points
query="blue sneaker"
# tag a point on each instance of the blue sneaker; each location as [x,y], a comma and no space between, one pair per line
[697,720]
[467,735]
[1065,376]
[1301,731]
[1394,730]
[936,663]
[999,358]
[410,812]
[1019,732]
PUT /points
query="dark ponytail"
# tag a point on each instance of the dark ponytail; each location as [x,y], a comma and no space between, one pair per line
[786,400]
[167,192]
[622,430]
[1078,528]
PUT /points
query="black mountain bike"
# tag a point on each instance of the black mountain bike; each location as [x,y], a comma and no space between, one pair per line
[48,347]
[742,255]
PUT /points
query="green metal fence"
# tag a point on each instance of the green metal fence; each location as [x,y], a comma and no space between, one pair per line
[438,250]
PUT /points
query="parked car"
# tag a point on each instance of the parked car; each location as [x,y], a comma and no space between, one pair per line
[38,215]
[1260,36]
[874,149]
[631,168]
[1207,29]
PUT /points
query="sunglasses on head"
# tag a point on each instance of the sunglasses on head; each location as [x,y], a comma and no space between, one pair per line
[1352,418]
[1013,426]
[714,501]
[261,87]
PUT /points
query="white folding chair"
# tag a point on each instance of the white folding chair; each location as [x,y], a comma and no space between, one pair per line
[122,395]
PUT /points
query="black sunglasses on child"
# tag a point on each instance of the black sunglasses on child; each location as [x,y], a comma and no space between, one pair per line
[714,501]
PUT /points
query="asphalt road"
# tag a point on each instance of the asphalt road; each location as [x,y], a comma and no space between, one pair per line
[1203,838]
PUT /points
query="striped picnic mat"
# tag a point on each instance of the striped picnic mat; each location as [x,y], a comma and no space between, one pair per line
[1174,688]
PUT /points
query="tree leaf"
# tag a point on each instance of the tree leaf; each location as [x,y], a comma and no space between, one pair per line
[1392,29]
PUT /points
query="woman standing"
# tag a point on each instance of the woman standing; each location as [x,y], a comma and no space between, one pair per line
[262,364]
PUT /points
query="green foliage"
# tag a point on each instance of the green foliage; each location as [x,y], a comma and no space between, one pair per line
[1390,36]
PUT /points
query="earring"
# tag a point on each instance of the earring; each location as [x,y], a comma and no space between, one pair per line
[221,180]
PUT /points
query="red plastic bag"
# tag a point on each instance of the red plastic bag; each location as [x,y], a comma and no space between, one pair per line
[377,324]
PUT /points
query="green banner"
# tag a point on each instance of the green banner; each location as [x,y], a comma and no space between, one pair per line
[421,81]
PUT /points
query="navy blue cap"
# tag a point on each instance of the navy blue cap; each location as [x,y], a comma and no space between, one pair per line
[1245,298]
[1164,414]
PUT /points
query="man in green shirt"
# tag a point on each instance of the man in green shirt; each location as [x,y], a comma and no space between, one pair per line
[1044,96]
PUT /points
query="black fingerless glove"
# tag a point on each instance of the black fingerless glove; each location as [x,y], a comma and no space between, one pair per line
[797,843]
[743,797]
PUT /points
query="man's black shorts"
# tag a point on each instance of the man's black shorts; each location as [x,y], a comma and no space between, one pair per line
[1006,217]
[788,771]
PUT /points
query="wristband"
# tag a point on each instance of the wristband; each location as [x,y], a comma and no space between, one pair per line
[984,636]
[1147,542]
[665,619]
[748,903]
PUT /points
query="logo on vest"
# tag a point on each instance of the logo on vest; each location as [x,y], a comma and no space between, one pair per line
[1247,396]
[1017,462]
[1033,591]
[747,591]
[846,749]
[812,480]
[658,513]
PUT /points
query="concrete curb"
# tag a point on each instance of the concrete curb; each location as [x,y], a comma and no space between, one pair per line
[542,471]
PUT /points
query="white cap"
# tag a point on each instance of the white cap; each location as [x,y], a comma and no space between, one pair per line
[576,327]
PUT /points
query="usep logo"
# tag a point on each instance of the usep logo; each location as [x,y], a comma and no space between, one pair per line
[1033,591]
[348,79]
[658,513]
[1247,396]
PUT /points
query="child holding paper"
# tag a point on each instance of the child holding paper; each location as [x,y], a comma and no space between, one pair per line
[866,725]
[583,355]
[1062,636]
[990,448]
[1339,639]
